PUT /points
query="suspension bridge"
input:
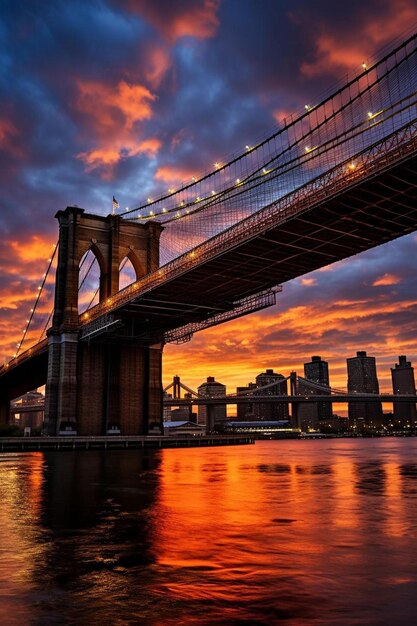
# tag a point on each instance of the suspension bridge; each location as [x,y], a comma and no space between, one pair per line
[301,390]
[338,179]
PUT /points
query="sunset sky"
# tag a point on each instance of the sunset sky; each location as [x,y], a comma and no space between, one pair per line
[129,97]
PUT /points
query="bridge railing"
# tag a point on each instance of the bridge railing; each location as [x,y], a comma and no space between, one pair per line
[24,356]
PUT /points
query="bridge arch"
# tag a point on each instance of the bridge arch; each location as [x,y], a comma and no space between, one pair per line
[91,278]
[128,273]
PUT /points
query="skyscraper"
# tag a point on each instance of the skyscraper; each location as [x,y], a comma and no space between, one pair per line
[403,382]
[210,415]
[362,378]
[317,371]
[309,414]
[245,411]
[271,410]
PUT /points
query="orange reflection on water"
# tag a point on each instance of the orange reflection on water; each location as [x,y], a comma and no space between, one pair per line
[395,523]
[20,492]
[226,523]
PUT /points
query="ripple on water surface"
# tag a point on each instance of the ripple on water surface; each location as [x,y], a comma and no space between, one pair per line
[282,532]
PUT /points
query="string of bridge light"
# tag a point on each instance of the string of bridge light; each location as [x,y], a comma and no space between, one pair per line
[37,298]
[309,152]
[182,209]
[253,177]
[355,131]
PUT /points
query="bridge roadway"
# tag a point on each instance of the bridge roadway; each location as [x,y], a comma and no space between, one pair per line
[331,218]
[385,398]
[175,402]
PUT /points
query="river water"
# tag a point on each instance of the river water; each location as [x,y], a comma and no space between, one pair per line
[284,532]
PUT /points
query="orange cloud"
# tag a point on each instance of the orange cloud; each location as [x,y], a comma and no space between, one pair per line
[35,249]
[196,18]
[308,282]
[115,112]
[106,104]
[340,52]
[173,174]
[331,55]
[386,280]
[158,62]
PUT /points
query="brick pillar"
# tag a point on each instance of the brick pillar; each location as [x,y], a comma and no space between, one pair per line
[92,393]
[61,383]
[154,233]
[52,385]
[114,254]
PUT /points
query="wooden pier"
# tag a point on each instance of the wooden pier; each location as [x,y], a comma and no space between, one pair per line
[115,442]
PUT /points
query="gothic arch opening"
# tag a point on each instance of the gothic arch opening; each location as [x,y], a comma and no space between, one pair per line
[127,273]
[88,281]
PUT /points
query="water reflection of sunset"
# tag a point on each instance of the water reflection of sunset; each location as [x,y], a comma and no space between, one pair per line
[239,526]
[305,532]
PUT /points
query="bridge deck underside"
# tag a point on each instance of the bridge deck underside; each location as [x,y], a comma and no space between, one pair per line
[26,376]
[361,217]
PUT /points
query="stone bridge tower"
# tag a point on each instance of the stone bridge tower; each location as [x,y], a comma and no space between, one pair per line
[102,384]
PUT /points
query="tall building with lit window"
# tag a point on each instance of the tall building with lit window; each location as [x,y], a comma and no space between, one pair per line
[317,371]
[210,415]
[245,411]
[403,383]
[276,385]
[362,378]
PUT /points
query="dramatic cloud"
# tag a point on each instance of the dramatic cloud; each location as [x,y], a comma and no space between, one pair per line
[114,113]
[183,18]
[386,279]
[342,49]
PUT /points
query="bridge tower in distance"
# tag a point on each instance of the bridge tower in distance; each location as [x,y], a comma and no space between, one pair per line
[112,381]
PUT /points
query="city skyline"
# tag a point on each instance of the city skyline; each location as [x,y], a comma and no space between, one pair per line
[277,370]
[81,128]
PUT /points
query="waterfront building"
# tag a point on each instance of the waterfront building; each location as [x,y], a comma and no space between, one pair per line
[245,411]
[25,413]
[403,382]
[271,410]
[317,371]
[362,378]
[312,413]
[210,415]
[177,428]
